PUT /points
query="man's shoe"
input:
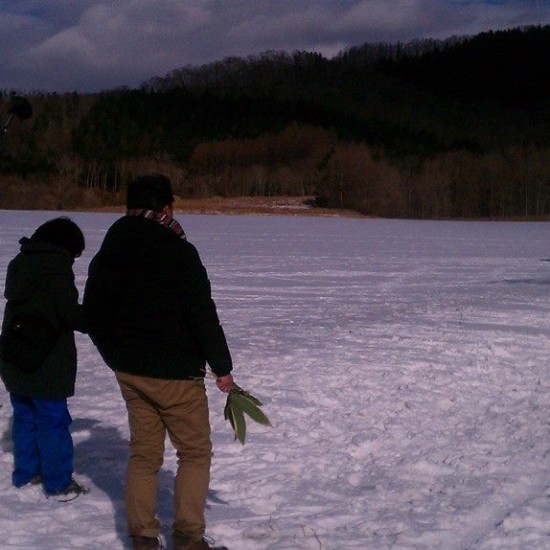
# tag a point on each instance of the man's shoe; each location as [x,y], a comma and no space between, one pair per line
[146,543]
[183,542]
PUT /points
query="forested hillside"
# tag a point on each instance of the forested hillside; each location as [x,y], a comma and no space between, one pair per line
[429,129]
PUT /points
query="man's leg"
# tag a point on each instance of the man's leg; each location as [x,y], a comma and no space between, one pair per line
[188,425]
[25,447]
[147,434]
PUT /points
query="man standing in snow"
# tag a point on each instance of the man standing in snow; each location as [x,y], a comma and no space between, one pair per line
[151,315]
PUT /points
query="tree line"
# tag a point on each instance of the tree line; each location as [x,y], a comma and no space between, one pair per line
[457,128]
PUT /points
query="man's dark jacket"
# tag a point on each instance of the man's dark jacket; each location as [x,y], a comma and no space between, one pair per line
[148,304]
[40,279]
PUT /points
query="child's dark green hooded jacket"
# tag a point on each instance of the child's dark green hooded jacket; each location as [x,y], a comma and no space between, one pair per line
[41,279]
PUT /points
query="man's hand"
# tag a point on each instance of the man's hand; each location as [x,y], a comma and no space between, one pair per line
[225,383]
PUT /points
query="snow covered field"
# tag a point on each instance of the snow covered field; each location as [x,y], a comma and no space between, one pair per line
[404,365]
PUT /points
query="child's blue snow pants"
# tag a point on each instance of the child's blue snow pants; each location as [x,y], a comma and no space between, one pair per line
[42,443]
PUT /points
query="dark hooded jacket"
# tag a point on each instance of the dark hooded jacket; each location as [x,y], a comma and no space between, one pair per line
[148,304]
[41,279]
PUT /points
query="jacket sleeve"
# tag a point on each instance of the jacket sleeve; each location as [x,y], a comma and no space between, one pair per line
[62,287]
[200,314]
[102,287]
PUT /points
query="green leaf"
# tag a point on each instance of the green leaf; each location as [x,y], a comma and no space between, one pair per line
[238,403]
[236,418]
[226,412]
[239,391]
[239,423]
[248,406]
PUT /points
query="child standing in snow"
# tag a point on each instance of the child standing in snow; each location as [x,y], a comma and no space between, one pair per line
[38,355]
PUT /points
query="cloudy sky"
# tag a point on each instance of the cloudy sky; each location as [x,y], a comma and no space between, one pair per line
[93,45]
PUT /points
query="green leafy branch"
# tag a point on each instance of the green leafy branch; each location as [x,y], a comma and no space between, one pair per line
[240,403]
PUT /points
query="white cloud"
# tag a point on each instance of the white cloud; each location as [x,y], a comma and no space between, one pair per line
[380,14]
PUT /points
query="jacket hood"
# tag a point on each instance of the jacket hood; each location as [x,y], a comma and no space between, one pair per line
[28,245]
[26,270]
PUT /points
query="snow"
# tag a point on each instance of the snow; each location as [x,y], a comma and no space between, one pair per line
[404,365]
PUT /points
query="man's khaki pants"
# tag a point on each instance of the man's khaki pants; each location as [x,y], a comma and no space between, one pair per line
[179,407]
